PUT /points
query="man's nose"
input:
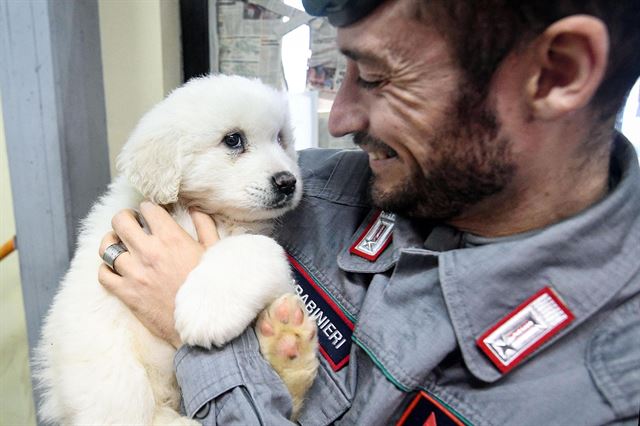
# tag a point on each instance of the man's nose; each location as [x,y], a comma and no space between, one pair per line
[349,113]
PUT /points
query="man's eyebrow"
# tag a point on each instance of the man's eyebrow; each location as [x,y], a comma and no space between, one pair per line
[358,56]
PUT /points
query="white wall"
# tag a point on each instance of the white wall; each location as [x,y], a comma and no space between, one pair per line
[631,116]
[141,60]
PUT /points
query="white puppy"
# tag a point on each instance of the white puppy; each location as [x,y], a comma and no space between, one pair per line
[222,144]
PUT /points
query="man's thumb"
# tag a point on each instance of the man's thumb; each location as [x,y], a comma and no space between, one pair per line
[205,228]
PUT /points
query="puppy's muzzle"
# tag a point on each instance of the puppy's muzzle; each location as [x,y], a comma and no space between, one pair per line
[284,183]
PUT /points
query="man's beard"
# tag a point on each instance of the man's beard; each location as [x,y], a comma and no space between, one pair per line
[469,163]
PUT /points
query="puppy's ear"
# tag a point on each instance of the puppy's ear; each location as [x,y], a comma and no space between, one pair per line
[151,161]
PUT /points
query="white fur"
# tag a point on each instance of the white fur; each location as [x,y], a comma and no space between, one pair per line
[201,302]
[96,363]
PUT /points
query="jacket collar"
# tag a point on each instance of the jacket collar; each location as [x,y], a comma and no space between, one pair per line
[486,280]
[587,259]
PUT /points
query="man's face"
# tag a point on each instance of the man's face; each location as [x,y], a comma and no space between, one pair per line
[433,142]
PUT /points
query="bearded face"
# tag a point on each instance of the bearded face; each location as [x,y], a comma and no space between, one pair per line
[434,143]
[467,163]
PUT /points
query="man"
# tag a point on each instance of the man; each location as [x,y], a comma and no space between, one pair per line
[509,292]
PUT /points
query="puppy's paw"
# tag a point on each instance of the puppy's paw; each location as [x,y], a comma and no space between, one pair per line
[289,341]
[205,322]
[235,280]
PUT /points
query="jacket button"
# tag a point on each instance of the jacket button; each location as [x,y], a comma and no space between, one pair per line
[203,411]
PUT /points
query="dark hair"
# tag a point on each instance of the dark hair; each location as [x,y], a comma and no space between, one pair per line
[484,32]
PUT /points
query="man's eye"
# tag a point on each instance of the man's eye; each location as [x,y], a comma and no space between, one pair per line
[368,85]
[234,140]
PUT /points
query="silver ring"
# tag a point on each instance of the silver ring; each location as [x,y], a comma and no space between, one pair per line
[112,252]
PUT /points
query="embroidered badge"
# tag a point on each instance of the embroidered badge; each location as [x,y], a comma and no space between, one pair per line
[525,329]
[375,239]
[426,411]
[334,328]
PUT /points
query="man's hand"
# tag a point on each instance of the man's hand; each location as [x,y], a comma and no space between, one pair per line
[151,272]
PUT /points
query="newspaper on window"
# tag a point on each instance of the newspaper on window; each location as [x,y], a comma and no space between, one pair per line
[325,72]
[249,37]
[326,65]
[246,39]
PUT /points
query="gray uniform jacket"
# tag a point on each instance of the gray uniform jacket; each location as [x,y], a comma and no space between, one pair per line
[443,327]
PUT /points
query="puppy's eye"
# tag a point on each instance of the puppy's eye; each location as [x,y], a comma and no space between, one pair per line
[281,140]
[234,140]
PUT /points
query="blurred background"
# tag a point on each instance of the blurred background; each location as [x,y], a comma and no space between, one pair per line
[139,51]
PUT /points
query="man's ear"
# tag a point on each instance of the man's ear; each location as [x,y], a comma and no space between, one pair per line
[570,59]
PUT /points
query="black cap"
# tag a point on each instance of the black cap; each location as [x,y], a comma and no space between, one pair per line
[340,12]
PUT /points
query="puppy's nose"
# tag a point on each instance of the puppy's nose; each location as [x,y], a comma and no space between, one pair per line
[284,182]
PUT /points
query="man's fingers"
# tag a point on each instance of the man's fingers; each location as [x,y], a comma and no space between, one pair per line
[116,285]
[205,228]
[109,279]
[158,219]
[123,261]
[123,264]
[107,240]
[128,229]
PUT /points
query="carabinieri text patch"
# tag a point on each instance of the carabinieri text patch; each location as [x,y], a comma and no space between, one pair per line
[334,328]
